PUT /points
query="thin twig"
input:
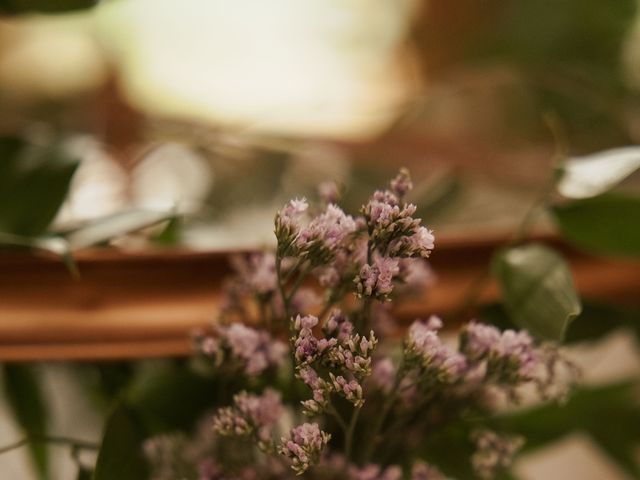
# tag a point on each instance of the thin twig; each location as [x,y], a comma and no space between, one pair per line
[56,440]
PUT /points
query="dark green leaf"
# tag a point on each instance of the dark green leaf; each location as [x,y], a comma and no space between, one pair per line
[34,180]
[44,6]
[609,414]
[537,289]
[84,473]
[121,456]
[170,396]
[606,224]
[596,320]
[26,400]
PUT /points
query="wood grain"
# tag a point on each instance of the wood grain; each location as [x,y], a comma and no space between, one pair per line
[138,305]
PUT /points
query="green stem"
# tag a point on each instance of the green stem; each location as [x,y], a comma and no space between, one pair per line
[386,409]
[332,410]
[348,436]
[474,292]
[71,442]
[285,301]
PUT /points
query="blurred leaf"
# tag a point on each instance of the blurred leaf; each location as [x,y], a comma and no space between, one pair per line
[25,397]
[572,32]
[171,396]
[50,244]
[591,175]
[84,473]
[103,229]
[170,235]
[34,180]
[121,456]
[606,224]
[568,52]
[596,320]
[44,6]
[609,414]
[537,289]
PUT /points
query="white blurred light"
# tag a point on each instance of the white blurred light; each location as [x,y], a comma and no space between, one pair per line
[328,67]
[171,176]
[98,187]
[49,58]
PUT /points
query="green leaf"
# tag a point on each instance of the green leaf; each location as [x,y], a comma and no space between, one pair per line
[34,181]
[610,414]
[592,175]
[121,456]
[605,224]
[596,320]
[172,396]
[26,400]
[537,290]
[44,6]
[49,244]
[84,473]
[103,229]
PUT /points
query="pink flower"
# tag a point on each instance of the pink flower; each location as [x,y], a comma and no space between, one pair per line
[424,348]
[255,348]
[377,280]
[383,374]
[304,446]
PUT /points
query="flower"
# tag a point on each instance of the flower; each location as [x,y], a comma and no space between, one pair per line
[494,452]
[383,375]
[329,192]
[257,272]
[425,350]
[254,348]
[287,225]
[251,414]
[325,233]
[424,471]
[338,326]
[351,390]
[415,274]
[511,356]
[304,446]
[401,184]
[377,280]
[373,471]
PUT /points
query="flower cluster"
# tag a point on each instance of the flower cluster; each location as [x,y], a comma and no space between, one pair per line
[494,452]
[377,280]
[254,350]
[511,357]
[304,446]
[288,224]
[425,351]
[250,415]
[390,223]
[345,355]
[382,404]
[319,240]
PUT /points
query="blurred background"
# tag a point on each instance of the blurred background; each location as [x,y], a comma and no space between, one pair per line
[222,111]
[194,120]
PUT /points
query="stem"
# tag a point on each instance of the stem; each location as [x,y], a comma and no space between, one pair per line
[72,442]
[386,408]
[332,410]
[348,436]
[474,292]
[285,301]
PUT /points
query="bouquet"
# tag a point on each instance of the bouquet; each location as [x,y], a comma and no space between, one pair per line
[322,382]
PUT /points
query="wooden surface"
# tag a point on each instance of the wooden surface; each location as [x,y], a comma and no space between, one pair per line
[139,305]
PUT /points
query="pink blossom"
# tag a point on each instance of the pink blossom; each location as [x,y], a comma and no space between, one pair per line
[304,446]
